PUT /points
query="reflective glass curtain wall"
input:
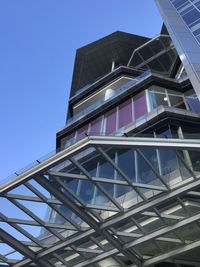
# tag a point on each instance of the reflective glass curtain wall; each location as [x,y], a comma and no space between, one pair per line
[182,19]
[134,111]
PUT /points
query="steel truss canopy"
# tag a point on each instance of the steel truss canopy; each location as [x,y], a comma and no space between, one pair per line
[130,201]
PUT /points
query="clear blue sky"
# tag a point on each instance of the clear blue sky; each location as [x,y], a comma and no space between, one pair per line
[38,42]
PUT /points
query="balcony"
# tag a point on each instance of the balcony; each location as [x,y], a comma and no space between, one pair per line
[103,101]
[136,111]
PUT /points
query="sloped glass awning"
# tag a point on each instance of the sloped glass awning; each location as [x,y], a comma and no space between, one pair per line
[129,201]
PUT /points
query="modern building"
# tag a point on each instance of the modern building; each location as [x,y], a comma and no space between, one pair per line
[123,186]
[182,19]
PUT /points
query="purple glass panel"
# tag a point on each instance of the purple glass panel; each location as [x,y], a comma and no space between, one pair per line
[193,103]
[95,127]
[81,132]
[111,121]
[125,114]
[140,105]
[68,140]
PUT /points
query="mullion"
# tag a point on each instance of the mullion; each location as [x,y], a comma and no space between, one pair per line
[34,217]
[52,205]
[76,197]
[153,169]
[121,173]
[82,169]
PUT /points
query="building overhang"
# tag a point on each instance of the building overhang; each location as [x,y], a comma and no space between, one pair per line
[147,79]
[163,212]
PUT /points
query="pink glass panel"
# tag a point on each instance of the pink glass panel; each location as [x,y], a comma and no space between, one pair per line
[95,127]
[81,132]
[125,114]
[140,105]
[111,121]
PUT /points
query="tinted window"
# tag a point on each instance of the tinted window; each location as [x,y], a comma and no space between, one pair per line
[179,3]
[125,114]
[191,16]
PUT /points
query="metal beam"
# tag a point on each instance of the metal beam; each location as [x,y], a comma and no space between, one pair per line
[103,180]
[186,165]
[19,247]
[137,142]
[87,218]
[187,262]
[83,170]
[125,177]
[98,258]
[100,140]
[53,206]
[83,177]
[25,262]
[71,240]
[102,229]
[160,199]
[164,215]
[153,169]
[59,258]
[44,166]
[36,218]
[162,231]
[172,254]
[14,221]
[76,197]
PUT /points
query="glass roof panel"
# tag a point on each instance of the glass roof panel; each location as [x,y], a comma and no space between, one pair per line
[158,55]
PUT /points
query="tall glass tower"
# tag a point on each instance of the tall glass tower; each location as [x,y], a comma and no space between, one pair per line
[123,186]
[182,19]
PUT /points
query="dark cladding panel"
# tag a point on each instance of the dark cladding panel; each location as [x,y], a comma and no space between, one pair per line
[95,60]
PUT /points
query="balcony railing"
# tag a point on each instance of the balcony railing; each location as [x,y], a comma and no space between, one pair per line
[101,102]
[73,141]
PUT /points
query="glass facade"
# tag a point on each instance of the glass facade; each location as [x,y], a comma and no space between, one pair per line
[145,166]
[103,95]
[134,110]
[189,10]
[123,198]
[125,113]
[140,166]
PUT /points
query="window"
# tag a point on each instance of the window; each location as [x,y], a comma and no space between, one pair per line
[126,162]
[86,191]
[106,170]
[144,171]
[177,101]
[191,132]
[168,161]
[168,131]
[192,101]
[157,98]
[179,3]
[196,32]
[140,106]
[82,133]
[111,121]
[95,127]
[67,141]
[191,16]
[125,114]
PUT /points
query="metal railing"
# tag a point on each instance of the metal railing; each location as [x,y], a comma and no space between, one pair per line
[101,102]
[192,136]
